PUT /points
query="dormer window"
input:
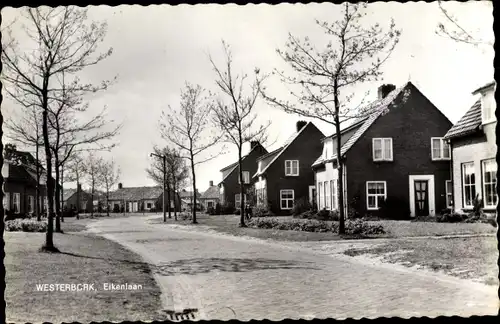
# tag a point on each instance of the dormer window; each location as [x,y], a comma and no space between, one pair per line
[488,107]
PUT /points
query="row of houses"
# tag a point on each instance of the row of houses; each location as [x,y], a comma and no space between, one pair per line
[405,150]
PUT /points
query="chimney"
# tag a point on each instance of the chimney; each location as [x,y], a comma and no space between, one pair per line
[253,144]
[79,187]
[300,124]
[385,89]
[211,183]
[120,186]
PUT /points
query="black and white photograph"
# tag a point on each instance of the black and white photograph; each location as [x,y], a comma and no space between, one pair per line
[249,162]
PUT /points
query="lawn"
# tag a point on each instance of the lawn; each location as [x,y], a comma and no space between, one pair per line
[467,258]
[395,229]
[84,259]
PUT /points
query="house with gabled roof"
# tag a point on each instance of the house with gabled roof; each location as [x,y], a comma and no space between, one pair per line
[71,199]
[395,152]
[139,199]
[229,187]
[473,154]
[210,197]
[284,175]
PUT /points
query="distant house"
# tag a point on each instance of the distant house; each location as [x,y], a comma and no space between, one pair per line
[285,176]
[19,174]
[186,198]
[229,187]
[396,153]
[70,200]
[210,197]
[139,199]
[473,154]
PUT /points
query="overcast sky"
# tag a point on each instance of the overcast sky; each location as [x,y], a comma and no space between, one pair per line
[158,48]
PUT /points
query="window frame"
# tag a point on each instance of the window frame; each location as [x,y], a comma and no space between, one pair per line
[449,194]
[287,199]
[16,202]
[291,174]
[375,195]
[245,180]
[382,147]
[464,185]
[442,143]
[333,192]
[483,183]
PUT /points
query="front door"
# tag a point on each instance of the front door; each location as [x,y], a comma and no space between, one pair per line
[312,194]
[421,197]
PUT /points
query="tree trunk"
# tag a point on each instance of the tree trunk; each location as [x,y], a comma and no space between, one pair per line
[242,190]
[62,194]
[168,201]
[107,201]
[193,205]
[57,195]
[37,193]
[49,242]
[175,199]
[92,201]
[339,162]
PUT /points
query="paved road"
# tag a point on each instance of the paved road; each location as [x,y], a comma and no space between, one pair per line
[227,277]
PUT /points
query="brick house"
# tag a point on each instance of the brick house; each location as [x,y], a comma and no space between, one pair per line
[19,174]
[396,153]
[285,175]
[229,187]
[70,200]
[140,199]
[210,197]
[473,154]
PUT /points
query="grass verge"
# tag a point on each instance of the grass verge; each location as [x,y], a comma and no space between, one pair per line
[83,259]
[467,258]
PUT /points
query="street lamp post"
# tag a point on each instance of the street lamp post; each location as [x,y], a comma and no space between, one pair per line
[164,158]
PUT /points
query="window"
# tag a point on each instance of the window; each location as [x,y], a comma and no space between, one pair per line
[237,200]
[320,194]
[210,204]
[261,196]
[333,185]
[150,205]
[375,194]
[382,149]
[292,167]
[440,149]
[16,202]
[6,201]
[469,184]
[449,194]
[328,197]
[31,204]
[489,169]
[488,107]
[286,199]
[246,177]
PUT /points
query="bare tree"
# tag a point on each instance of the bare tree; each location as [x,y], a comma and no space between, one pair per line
[176,169]
[235,115]
[76,172]
[452,28]
[187,128]
[354,55]
[110,174]
[94,176]
[70,135]
[64,42]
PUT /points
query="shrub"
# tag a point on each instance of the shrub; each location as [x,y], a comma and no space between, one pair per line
[300,206]
[227,209]
[261,211]
[116,209]
[306,215]
[360,227]
[217,209]
[237,211]
[25,225]
[322,215]
[395,208]
[354,206]
[477,204]
[451,218]
[211,211]
[10,215]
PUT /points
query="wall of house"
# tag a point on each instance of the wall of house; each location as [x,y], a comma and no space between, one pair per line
[85,202]
[411,126]
[232,185]
[472,149]
[306,148]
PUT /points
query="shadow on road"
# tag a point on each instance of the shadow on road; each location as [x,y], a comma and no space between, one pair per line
[142,266]
[205,265]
